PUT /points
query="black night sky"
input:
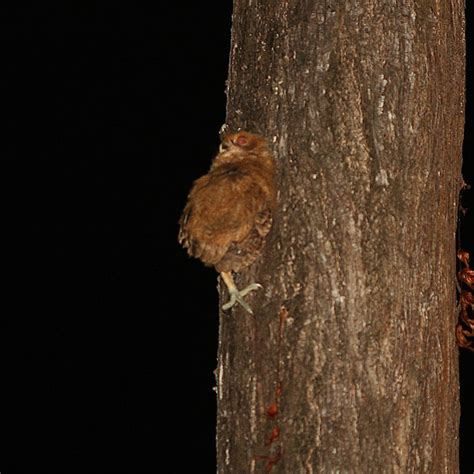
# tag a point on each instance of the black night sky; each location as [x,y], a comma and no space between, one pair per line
[109,331]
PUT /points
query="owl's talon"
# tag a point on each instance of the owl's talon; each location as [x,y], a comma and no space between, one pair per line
[248,289]
[237,296]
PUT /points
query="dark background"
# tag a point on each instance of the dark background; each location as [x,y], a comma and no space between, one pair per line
[109,331]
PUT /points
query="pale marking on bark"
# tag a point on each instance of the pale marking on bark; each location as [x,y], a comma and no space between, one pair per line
[311,398]
[253,409]
[333,277]
[402,442]
[295,288]
[390,127]
[220,372]
[310,321]
[380,105]
[382,178]
[323,62]
[356,286]
[311,279]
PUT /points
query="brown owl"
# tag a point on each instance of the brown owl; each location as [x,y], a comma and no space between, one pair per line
[229,210]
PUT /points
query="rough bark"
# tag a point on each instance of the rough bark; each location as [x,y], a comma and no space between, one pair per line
[350,362]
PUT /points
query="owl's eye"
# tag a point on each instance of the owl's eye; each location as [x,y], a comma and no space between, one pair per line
[241,140]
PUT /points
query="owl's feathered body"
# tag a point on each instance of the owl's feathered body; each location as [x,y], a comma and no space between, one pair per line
[229,210]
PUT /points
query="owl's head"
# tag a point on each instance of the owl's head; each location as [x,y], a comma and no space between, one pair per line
[242,141]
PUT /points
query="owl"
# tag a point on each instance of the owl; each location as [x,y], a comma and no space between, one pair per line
[229,210]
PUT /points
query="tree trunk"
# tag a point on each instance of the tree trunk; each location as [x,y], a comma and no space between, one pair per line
[350,362]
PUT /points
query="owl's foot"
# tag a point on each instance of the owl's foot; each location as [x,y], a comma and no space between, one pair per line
[237,296]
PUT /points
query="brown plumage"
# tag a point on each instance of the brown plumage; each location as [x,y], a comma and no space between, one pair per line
[229,210]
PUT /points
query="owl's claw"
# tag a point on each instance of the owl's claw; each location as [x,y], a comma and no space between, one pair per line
[237,296]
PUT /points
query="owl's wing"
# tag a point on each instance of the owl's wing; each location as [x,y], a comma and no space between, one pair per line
[225,208]
[243,253]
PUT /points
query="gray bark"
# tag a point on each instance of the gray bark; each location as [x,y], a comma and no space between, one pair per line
[350,363]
